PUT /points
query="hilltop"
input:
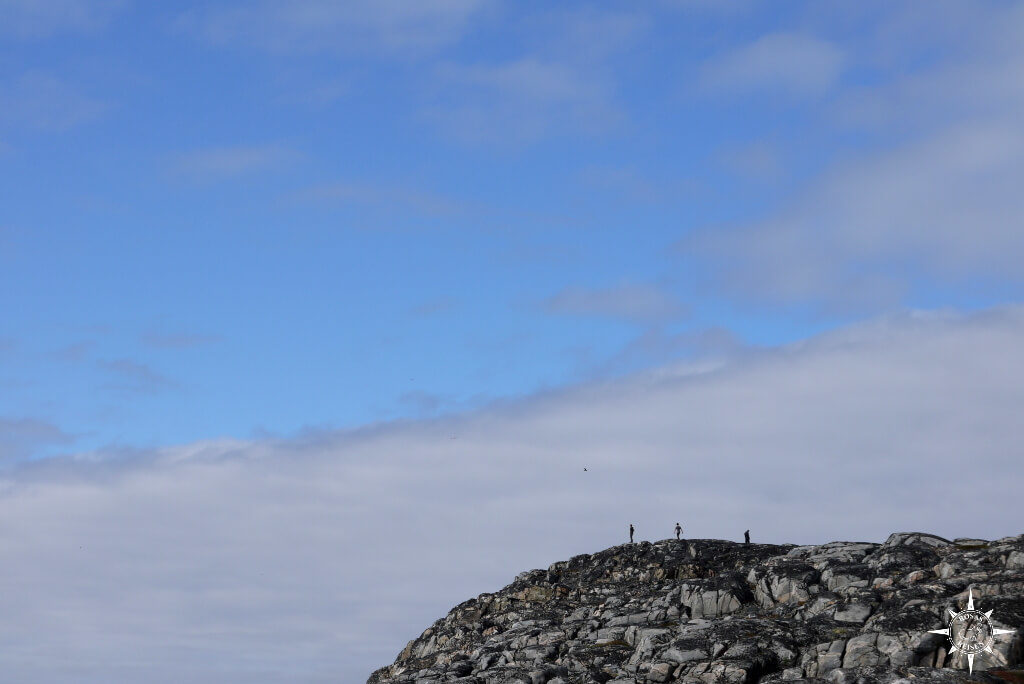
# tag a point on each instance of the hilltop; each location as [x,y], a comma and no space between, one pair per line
[705,610]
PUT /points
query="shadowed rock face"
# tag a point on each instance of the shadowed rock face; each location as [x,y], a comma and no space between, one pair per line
[715,611]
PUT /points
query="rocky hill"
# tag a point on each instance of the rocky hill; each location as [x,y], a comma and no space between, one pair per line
[715,611]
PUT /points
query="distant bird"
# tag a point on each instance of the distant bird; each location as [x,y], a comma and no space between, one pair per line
[584,470]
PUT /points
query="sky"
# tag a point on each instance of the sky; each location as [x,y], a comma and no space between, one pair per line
[312,313]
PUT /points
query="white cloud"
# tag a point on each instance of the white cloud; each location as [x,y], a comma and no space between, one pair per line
[41,101]
[656,345]
[633,185]
[132,376]
[387,197]
[219,163]
[378,26]
[788,62]
[584,34]
[21,437]
[44,18]
[317,558]
[930,198]
[978,78]
[522,101]
[759,160]
[562,81]
[172,340]
[527,79]
[435,306]
[946,209]
[636,302]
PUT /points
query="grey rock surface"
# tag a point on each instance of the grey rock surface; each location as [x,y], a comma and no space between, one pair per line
[715,611]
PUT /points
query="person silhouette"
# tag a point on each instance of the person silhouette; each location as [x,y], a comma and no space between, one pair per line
[679,530]
[630,533]
[746,537]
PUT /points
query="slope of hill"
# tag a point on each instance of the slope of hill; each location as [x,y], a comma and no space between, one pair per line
[716,611]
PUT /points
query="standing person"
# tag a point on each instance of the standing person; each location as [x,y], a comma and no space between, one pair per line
[746,537]
[630,533]
[679,530]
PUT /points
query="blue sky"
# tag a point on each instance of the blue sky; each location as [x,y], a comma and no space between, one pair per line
[227,220]
[283,280]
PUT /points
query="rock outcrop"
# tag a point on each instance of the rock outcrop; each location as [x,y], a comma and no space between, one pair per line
[716,611]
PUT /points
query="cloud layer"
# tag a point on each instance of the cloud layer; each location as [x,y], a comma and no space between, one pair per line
[791,63]
[929,195]
[315,558]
